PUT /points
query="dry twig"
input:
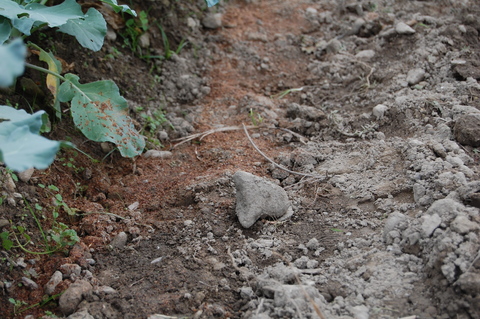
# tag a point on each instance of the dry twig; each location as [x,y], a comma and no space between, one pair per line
[206,133]
[271,161]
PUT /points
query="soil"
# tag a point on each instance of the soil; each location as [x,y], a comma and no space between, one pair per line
[338,91]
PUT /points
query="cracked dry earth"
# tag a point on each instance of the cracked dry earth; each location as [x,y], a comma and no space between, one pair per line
[383,124]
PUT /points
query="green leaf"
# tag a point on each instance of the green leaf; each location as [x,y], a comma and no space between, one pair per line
[89,30]
[59,198]
[70,237]
[5,29]
[53,82]
[20,145]
[101,113]
[120,8]
[211,3]
[26,236]
[12,61]
[7,244]
[53,188]
[55,237]
[23,18]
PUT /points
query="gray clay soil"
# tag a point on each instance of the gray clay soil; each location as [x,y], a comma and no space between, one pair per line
[385,219]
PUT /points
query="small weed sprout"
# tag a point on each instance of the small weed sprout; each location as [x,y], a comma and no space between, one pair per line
[134,29]
[57,238]
[17,304]
[255,117]
[166,45]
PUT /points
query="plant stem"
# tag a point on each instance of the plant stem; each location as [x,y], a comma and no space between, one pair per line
[90,157]
[40,304]
[29,251]
[39,68]
[38,223]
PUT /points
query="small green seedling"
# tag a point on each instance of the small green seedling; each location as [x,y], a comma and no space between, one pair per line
[166,45]
[134,28]
[57,238]
[17,304]
[255,117]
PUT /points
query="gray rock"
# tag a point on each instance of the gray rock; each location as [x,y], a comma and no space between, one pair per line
[53,282]
[379,111]
[467,129]
[282,273]
[26,175]
[71,270]
[107,147]
[462,225]
[144,40]
[21,262]
[360,312]
[365,55]
[74,294]
[301,263]
[429,224]
[4,222]
[333,46]
[29,283]
[469,282]
[396,220]
[247,293]
[388,33]
[9,184]
[111,34]
[470,193]
[460,110]
[357,26]
[107,290]
[294,296]
[257,36]
[257,198]
[414,76]
[305,112]
[403,28]
[312,264]
[313,244]
[311,12]
[82,314]
[162,136]
[98,309]
[446,208]
[192,23]
[212,21]
[120,240]
[157,154]
[418,192]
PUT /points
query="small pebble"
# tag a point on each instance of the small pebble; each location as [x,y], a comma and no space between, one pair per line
[403,28]
[32,285]
[120,240]
[157,154]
